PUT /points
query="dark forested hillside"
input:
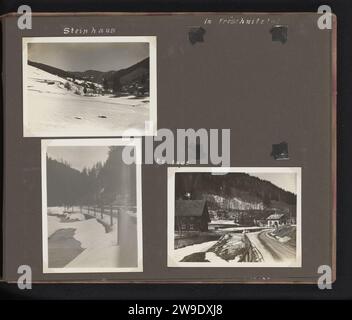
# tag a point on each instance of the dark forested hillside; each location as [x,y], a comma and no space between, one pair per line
[111,182]
[64,184]
[232,185]
[137,72]
[133,78]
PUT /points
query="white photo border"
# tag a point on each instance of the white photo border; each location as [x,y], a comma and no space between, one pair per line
[150,130]
[136,142]
[171,216]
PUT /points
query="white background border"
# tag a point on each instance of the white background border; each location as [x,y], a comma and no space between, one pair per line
[92,142]
[149,131]
[171,216]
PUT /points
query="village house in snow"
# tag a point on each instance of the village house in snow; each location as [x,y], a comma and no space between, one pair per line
[191,215]
[289,210]
[276,219]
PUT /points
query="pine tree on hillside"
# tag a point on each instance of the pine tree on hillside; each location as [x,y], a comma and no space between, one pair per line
[105,85]
[117,85]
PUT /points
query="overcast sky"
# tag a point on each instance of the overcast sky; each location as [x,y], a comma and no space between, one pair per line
[286,181]
[79,157]
[88,56]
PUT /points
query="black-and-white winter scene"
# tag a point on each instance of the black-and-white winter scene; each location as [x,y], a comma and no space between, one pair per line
[235,219]
[91,214]
[77,87]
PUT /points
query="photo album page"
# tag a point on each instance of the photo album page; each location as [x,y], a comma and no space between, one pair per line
[169,148]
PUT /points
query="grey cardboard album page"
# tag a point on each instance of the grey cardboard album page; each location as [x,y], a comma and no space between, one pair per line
[194,147]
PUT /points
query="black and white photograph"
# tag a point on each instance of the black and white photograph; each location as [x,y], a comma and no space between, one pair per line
[91,206]
[234,217]
[89,86]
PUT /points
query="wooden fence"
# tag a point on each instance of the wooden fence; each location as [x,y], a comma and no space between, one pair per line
[126,220]
[102,212]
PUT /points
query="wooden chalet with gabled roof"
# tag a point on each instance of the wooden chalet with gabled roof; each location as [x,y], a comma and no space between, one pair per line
[191,215]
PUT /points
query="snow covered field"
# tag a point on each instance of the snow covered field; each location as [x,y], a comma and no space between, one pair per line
[241,229]
[50,109]
[227,249]
[224,222]
[179,254]
[99,247]
[233,248]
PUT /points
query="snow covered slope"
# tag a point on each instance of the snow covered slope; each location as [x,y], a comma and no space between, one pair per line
[235,203]
[55,106]
[44,82]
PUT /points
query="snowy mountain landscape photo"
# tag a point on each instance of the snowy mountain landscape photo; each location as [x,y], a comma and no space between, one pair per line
[89,86]
[221,217]
[91,207]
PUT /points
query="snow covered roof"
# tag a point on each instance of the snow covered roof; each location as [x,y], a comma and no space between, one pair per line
[275,216]
[189,208]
